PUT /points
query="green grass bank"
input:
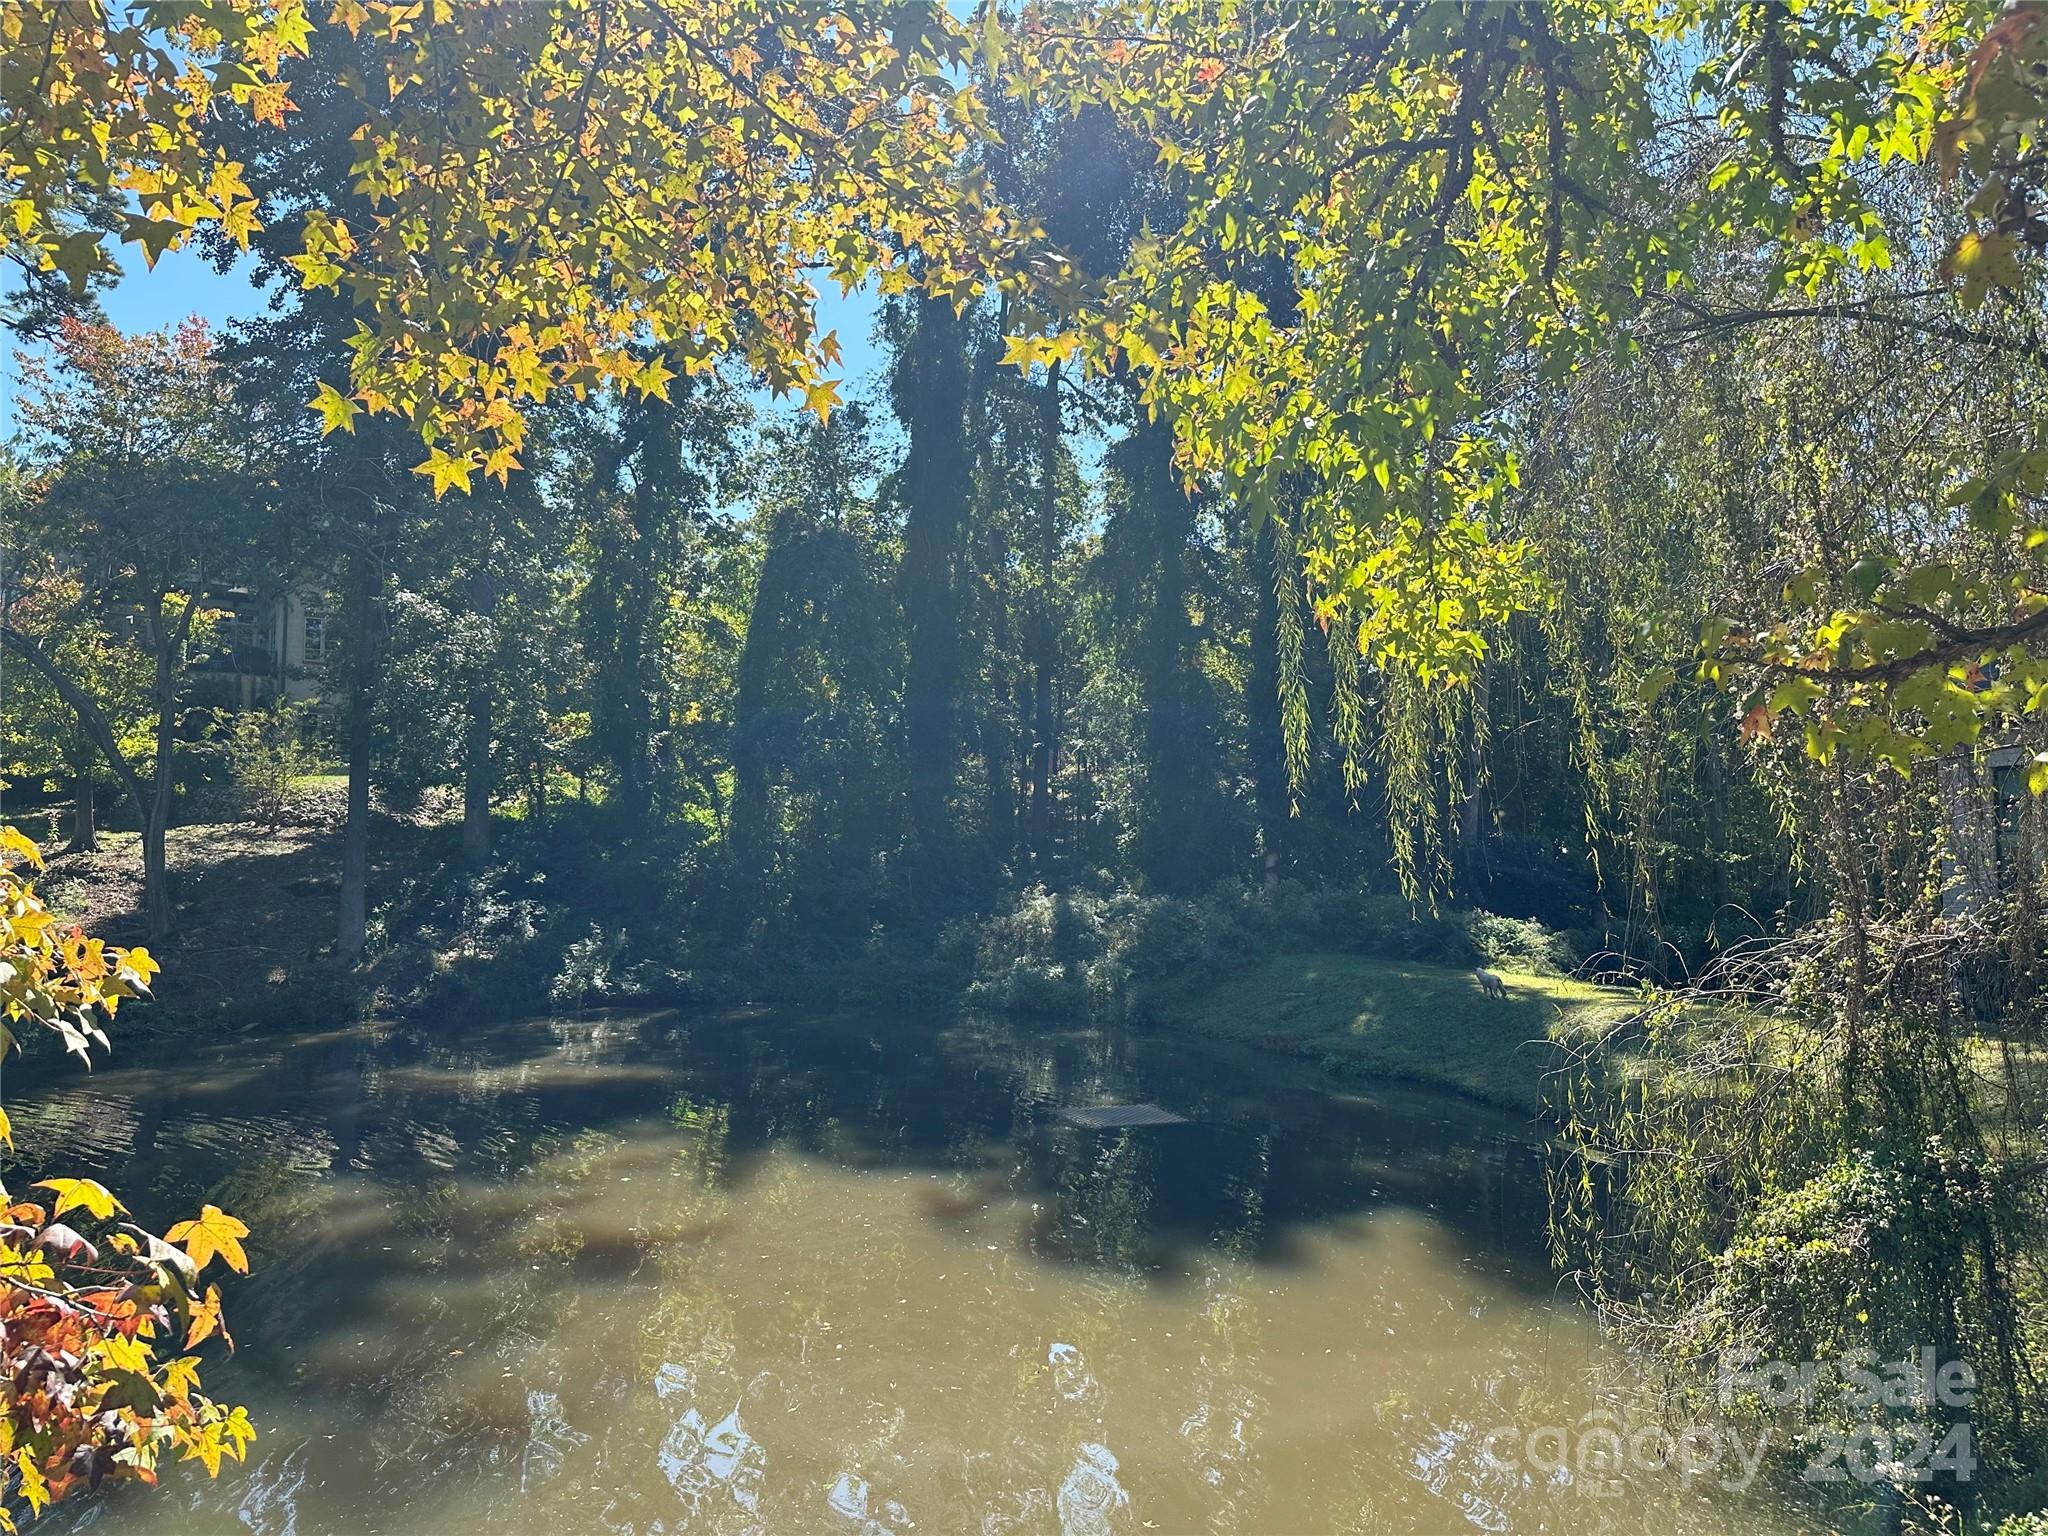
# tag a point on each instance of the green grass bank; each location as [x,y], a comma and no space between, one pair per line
[1359,1017]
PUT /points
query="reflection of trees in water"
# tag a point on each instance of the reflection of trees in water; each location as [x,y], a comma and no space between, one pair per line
[1103,1197]
[889,1275]
[93,1130]
[705,1126]
[1222,1423]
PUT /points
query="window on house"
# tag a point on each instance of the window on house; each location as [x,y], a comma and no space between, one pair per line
[248,630]
[316,639]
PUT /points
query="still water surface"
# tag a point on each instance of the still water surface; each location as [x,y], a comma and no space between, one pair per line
[768,1275]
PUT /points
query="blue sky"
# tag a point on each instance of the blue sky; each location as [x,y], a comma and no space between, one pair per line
[184,283]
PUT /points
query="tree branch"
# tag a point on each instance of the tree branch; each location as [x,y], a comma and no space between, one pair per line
[89,714]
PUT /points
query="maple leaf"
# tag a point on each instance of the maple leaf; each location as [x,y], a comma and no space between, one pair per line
[239,1432]
[141,962]
[12,840]
[206,1319]
[335,408]
[653,378]
[446,469]
[72,1193]
[823,398]
[212,1231]
[31,1485]
[181,1376]
[65,1244]
[205,1446]
[500,462]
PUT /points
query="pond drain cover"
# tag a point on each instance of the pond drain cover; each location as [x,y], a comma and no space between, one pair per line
[1110,1117]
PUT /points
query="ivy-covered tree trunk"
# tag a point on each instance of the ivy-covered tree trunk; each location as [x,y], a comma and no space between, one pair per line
[619,608]
[1175,831]
[931,394]
[1472,809]
[167,639]
[999,738]
[1044,630]
[1272,795]
[479,770]
[748,839]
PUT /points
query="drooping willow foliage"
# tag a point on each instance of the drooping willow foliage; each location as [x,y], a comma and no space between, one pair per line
[1833,1140]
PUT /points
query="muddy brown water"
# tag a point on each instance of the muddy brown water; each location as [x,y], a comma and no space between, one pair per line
[767,1274]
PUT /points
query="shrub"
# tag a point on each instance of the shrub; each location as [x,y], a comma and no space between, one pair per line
[1057,952]
[1395,929]
[589,967]
[267,751]
[1519,944]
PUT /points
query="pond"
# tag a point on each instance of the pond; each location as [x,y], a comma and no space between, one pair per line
[752,1273]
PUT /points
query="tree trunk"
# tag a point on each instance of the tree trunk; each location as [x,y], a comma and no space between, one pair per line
[477,768]
[932,386]
[1175,821]
[998,733]
[476,779]
[352,927]
[169,644]
[85,836]
[89,715]
[618,603]
[1472,808]
[1272,795]
[1044,639]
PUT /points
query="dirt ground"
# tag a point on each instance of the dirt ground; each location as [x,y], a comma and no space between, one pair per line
[254,910]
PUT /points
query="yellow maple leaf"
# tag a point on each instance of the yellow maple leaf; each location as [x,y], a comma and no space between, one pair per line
[204,1446]
[652,378]
[181,1376]
[206,1320]
[446,469]
[12,840]
[500,462]
[31,1486]
[119,1353]
[822,397]
[72,1193]
[335,408]
[212,1231]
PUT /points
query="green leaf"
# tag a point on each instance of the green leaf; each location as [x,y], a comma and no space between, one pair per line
[335,408]
[76,256]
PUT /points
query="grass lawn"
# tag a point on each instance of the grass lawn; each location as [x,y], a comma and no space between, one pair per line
[1358,1018]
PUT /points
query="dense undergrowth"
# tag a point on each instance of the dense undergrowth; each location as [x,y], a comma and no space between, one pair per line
[568,915]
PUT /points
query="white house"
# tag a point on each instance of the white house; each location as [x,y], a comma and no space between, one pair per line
[264,650]
[1994,824]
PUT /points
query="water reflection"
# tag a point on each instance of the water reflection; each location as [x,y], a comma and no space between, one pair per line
[757,1275]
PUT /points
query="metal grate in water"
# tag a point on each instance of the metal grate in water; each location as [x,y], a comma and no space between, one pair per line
[1113,1117]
